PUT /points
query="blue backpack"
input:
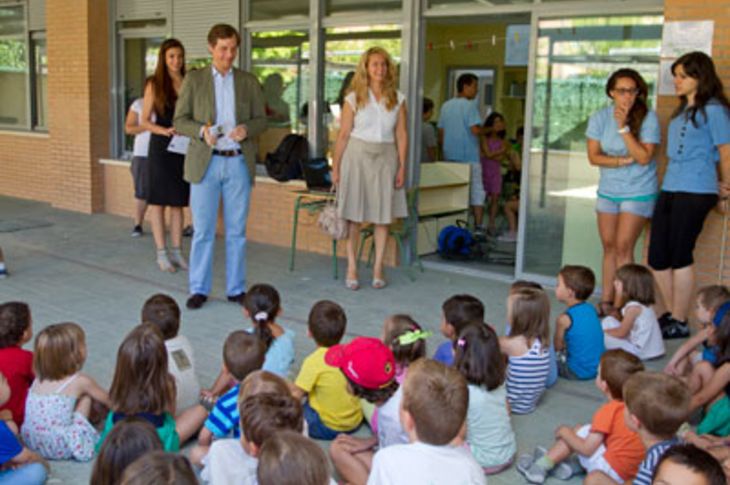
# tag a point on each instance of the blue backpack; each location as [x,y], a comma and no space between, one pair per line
[455,242]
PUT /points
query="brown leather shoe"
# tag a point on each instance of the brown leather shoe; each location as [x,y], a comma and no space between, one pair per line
[196,301]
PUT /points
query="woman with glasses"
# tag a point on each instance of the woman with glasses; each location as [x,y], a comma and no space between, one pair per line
[698,150]
[622,140]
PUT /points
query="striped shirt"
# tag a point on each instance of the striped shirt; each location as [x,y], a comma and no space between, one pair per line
[653,455]
[526,377]
[224,416]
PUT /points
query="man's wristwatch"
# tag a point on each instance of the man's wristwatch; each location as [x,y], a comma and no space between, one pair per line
[623,130]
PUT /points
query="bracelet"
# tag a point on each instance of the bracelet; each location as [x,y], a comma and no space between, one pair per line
[624,130]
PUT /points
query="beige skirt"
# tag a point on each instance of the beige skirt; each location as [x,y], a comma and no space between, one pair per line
[367,190]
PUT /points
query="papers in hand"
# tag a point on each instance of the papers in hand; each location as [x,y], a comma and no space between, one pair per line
[179,144]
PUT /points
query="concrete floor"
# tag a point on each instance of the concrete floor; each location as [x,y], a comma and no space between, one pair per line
[87,269]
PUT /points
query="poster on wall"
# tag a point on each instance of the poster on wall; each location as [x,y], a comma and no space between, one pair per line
[517,45]
[679,38]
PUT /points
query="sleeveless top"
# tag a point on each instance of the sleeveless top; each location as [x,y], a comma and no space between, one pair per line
[526,378]
[584,340]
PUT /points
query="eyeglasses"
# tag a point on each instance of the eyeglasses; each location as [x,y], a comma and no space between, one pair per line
[623,91]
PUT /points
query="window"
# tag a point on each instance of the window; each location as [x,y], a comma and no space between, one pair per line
[13,68]
[40,82]
[279,9]
[280,61]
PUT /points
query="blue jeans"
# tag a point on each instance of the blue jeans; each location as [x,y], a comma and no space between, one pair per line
[317,429]
[31,474]
[226,177]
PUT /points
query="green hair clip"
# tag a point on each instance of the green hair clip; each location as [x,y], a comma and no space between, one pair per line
[413,336]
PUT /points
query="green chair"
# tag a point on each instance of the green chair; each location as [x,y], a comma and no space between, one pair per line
[399,231]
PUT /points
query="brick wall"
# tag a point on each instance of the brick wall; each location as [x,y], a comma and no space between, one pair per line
[712,265]
[26,166]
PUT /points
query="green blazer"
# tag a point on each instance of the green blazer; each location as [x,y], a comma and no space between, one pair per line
[195,108]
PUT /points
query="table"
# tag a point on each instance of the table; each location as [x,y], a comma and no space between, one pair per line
[313,202]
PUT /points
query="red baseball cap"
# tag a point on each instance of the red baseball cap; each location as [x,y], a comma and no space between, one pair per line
[366,361]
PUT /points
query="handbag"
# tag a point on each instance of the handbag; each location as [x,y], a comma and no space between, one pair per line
[329,222]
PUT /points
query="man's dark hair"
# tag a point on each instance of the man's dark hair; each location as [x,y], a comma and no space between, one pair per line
[466,79]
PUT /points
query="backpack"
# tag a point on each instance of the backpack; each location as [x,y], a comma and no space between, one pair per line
[456,242]
[285,163]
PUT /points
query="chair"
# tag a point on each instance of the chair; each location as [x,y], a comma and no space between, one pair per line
[399,231]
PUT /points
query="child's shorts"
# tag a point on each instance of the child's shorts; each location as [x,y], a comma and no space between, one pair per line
[596,462]
[476,186]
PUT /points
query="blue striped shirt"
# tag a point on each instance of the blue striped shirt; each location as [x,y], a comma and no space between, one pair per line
[224,416]
[653,455]
[526,377]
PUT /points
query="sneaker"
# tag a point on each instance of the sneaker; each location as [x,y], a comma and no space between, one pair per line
[568,468]
[188,231]
[534,473]
[3,272]
[137,231]
[665,320]
[509,237]
[675,330]
[526,460]
[479,233]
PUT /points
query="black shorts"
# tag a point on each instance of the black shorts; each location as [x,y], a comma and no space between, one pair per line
[139,177]
[676,225]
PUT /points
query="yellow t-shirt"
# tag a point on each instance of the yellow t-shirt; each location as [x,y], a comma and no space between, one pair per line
[327,389]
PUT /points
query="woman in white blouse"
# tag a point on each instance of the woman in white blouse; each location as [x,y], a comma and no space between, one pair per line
[369,164]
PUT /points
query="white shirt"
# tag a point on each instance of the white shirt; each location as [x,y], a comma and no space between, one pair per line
[225,108]
[228,463]
[181,364]
[424,464]
[141,140]
[646,335]
[373,122]
[390,430]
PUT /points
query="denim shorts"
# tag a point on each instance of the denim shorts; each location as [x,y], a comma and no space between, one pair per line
[642,208]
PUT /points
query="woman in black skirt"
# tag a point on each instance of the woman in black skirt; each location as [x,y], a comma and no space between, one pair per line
[166,185]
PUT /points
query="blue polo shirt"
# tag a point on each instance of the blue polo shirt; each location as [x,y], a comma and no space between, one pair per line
[456,118]
[692,150]
[630,181]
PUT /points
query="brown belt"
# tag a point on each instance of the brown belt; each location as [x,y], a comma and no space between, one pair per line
[227,153]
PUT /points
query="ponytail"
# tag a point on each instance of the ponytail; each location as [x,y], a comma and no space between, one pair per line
[263,304]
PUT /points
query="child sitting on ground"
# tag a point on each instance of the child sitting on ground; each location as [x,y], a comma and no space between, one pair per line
[16,329]
[687,464]
[60,400]
[17,463]
[369,367]
[638,330]
[288,458]
[159,467]
[407,341]
[457,312]
[578,334]
[329,409]
[606,445]
[162,311]
[690,363]
[433,412]
[262,414]
[657,405]
[128,440]
[143,387]
[262,305]
[243,353]
[526,349]
[715,396]
[488,426]
[516,286]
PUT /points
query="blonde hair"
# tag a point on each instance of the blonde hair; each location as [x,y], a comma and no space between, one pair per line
[361,82]
[529,315]
[59,351]
[261,381]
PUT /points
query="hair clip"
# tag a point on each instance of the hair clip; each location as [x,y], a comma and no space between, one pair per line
[261,316]
[413,336]
[461,343]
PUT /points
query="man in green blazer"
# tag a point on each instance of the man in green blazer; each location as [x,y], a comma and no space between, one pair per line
[221,109]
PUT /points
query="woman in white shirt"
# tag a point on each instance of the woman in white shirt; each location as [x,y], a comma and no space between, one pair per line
[369,163]
[133,126]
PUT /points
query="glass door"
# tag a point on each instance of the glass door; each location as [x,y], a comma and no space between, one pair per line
[574,58]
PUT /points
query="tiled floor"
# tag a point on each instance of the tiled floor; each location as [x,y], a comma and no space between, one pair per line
[87,269]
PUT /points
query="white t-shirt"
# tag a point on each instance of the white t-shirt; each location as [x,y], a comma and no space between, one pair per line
[181,364]
[228,463]
[373,122]
[646,335]
[390,430]
[425,465]
[141,140]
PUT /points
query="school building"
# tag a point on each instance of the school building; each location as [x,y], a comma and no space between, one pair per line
[69,69]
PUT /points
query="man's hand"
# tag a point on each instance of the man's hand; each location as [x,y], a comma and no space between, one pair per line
[239,133]
[209,137]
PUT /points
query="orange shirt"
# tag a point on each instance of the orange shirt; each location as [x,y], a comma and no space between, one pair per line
[624,450]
